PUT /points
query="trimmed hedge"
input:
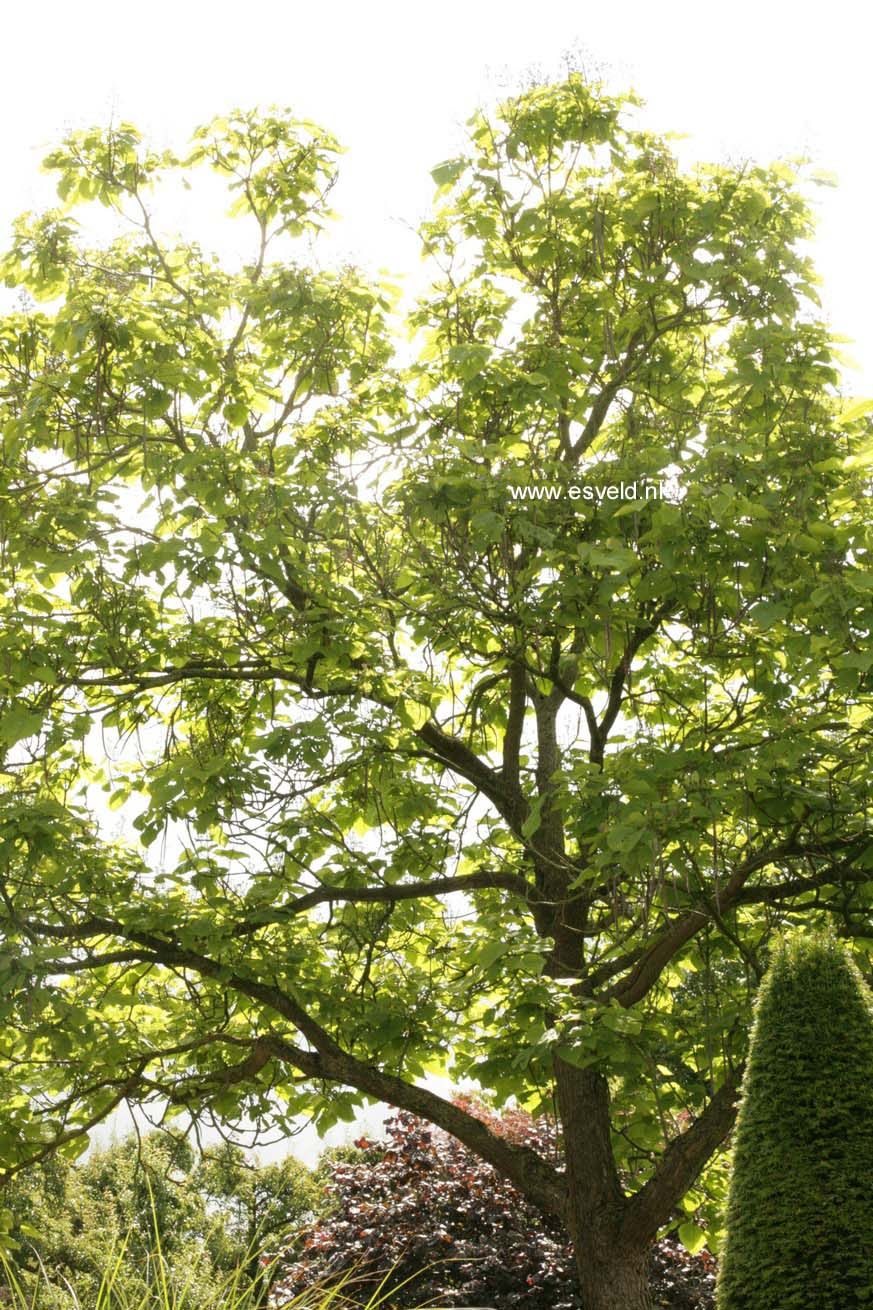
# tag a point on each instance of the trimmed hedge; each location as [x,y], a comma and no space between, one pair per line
[800,1209]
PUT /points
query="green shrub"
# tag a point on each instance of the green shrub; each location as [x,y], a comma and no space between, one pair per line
[194,1220]
[800,1210]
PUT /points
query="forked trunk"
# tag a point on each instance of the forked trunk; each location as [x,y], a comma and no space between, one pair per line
[612,1270]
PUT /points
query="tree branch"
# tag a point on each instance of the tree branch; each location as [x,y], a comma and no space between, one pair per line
[378,895]
[660,952]
[458,756]
[514,727]
[538,1179]
[617,682]
[534,1176]
[450,750]
[680,1164]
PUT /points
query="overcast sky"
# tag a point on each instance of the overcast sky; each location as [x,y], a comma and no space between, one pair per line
[395,81]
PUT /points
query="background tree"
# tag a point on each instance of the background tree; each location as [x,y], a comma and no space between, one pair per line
[207,1214]
[800,1219]
[435,775]
[252,1208]
[69,1223]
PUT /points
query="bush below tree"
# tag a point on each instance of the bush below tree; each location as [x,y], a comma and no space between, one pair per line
[421,1210]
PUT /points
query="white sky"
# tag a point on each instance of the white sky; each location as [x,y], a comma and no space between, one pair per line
[395,82]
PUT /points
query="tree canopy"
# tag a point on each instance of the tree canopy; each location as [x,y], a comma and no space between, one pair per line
[431,759]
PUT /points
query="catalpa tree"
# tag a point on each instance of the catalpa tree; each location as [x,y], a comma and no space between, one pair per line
[425,773]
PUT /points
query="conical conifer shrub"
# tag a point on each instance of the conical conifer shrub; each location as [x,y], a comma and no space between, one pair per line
[800,1210]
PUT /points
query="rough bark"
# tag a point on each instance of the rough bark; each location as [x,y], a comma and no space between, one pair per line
[621,1283]
[612,1270]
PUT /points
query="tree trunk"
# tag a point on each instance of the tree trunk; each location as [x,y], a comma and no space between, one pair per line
[610,1260]
[617,1281]
[612,1268]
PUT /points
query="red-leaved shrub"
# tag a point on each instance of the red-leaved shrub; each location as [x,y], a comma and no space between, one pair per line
[446,1228]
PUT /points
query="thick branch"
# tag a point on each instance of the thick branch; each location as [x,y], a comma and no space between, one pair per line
[458,756]
[837,875]
[605,397]
[198,1085]
[514,727]
[833,875]
[658,954]
[681,1163]
[618,681]
[533,1175]
[378,895]
[450,750]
